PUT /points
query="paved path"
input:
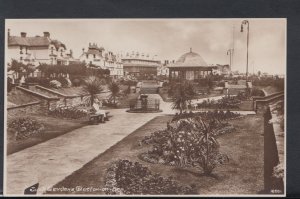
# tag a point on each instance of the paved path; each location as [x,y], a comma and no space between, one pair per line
[51,161]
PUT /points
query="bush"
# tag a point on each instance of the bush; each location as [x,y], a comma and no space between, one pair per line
[125,177]
[55,84]
[224,103]
[64,81]
[71,112]
[187,142]
[25,127]
[257,92]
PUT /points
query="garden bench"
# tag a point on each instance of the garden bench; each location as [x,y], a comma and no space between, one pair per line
[99,115]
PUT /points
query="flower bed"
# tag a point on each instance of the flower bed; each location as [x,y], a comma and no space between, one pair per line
[208,115]
[125,177]
[72,112]
[224,103]
[25,128]
[189,142]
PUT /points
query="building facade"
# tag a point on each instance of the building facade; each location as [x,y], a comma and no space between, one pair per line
[140,65]
[98,57]
[190,66]
[221,70]
[37,50]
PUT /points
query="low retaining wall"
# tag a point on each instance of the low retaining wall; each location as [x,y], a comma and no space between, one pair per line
[271,156]
[24,109]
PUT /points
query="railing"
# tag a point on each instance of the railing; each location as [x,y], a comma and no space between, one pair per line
[149,105]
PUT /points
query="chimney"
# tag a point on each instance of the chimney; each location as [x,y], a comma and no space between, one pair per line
[46,34]
[23,34]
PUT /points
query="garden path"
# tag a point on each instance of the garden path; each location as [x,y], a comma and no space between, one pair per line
[51,161]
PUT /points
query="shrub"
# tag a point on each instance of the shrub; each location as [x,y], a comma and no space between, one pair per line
[187,142]
[71,112]
[25,127]
[64,82]
[125,177]
[257,92]
[278,171]
[227,102]
[55,84]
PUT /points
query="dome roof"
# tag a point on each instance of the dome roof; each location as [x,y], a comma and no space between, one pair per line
[190,59]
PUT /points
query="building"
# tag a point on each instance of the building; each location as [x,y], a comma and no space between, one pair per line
[163,69]
[98,57]
[140,65]
[190,66]
[36,50]
[221,70]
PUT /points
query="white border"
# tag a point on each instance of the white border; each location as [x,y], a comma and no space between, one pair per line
[140,19]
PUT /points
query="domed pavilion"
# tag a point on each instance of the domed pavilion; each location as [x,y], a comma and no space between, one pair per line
[190,66]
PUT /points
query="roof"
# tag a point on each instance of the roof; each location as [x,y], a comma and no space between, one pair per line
[190,59]
[58,44]
[36,41]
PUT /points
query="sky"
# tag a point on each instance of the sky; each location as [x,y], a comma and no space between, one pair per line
[170,38]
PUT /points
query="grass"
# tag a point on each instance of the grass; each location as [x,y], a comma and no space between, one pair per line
[54,127]
[242,175]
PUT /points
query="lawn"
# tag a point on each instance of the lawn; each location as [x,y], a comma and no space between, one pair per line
[54,127]
[242,175]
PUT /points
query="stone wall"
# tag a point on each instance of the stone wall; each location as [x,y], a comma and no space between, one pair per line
[25,109]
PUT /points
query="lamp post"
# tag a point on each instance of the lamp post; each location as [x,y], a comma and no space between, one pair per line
[246,22]
[229,52]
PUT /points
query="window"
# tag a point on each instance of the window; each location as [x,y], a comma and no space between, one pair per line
[87,56]
[21,58]
[94,56]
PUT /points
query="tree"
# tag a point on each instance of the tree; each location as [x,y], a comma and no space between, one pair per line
[114,88]
[93,86]
[182,95]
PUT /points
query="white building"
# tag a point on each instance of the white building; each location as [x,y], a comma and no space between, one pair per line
[36,50]
[98,57]
[163,70]
[140,65]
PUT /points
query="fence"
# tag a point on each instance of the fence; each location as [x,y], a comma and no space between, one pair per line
[147,105]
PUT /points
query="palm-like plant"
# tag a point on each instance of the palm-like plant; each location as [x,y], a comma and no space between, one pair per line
[93,86]
[114,88]
[182,96]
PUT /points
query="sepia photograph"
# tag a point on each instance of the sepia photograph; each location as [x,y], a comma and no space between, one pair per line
[145,107]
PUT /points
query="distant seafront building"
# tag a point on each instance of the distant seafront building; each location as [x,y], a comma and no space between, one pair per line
[190,66]
[38,49]
[221,70]
[139,64]
[98,57]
